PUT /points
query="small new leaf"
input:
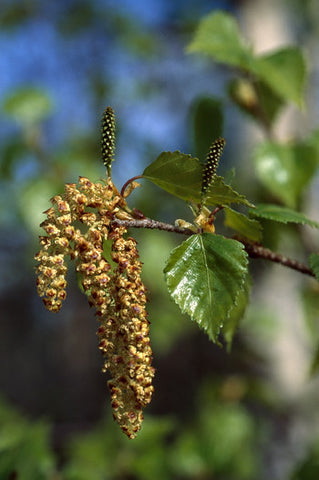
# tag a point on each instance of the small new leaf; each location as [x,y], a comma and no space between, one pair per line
[246,227]
[108,138]
[211,164]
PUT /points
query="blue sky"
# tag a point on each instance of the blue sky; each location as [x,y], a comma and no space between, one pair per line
[37,54]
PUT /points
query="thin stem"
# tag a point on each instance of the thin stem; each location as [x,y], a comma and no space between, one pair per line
[216,210]
[254,251]
[128,182]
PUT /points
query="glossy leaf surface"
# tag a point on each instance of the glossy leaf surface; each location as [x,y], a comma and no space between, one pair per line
[204,276]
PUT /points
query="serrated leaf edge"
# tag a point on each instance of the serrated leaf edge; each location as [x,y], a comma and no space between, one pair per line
[214,336]
[177,152]
[306,221]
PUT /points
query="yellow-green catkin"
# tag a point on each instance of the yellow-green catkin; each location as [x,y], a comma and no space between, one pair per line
[77,225]
[51,282]
[90,204]
[124,337]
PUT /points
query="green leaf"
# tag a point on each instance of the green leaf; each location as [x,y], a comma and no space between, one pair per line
[232,321]
[204,276]
[219,193]
[28,105]
[285,170]
[314,368]
[177,173]
[245,226]
[270,102]
[256,99]
[284,71]
[207,123]
[281,214]
[314,263]
[218,36]
[181,175]
[313,140]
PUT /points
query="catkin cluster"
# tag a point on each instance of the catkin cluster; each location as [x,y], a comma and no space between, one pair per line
[77,225]
[124,337]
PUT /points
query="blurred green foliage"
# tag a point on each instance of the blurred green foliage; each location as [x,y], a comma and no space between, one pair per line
[27,106]
[219,442]
[25,450]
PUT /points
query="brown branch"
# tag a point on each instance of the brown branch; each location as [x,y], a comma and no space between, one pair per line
[258,251]
[254,251]
[153,224]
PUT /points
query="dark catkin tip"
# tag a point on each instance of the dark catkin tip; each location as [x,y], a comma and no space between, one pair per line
[211,163]
[108,137]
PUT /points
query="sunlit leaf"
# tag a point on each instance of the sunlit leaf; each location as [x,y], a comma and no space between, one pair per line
[218,36]
[285,170]
[245,226]
[284,71]
[205,275]
[27,105]
[181,175]
[314,263]
[281,214]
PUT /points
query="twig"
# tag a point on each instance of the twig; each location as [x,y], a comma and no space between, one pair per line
[153,224]
[254,251]
[258,251]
